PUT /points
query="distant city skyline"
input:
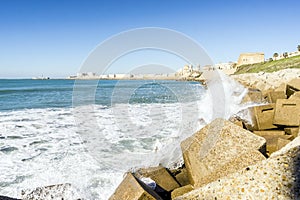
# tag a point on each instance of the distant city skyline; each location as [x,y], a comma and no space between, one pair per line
[53,38]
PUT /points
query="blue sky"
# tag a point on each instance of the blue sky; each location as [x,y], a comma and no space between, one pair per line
[52,38]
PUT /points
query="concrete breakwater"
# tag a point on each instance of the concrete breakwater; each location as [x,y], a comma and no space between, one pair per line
[232,159]
[227,159]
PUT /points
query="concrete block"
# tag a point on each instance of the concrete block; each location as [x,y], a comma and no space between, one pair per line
[236,121]
[272,145]
[295,83]
[269,132]
[274,95]
[281,143]
[242,160]
[265,92]
[161,177]
[261,85]
[246,113]
[273,178]
[217,146]
[296,95]
[264,116]
[181,191]
[281,87]
[292,87]
[272,142]
[252,96]
[131,189]
[182,177]
[287,112]
[293,97]
[294,131]
[265,95]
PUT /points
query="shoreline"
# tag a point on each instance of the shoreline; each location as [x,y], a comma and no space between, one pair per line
[186,181]
[272,124]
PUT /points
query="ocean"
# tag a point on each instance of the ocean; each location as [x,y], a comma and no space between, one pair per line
[60,131]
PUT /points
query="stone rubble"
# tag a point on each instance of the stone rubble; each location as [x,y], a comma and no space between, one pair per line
[265,81]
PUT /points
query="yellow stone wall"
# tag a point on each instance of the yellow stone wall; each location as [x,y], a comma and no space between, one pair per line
[251,58]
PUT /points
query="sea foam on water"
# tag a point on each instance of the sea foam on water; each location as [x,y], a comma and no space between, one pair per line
[48,146]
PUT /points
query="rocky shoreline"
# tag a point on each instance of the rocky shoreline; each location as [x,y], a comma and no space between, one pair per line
[227,159]
[235,158]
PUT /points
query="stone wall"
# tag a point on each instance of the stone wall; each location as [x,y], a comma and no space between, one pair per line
[250,58]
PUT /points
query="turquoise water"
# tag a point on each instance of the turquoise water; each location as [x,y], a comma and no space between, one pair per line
[28,94]
[89,133]
[45,139]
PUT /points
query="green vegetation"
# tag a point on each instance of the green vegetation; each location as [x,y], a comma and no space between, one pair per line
[298,47]
[271,66]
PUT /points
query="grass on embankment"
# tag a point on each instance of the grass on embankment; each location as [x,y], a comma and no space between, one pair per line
[270,66]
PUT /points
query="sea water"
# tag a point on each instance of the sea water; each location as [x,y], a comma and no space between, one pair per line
[46,138]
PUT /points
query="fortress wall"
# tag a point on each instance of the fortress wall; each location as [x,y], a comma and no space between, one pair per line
[251,58]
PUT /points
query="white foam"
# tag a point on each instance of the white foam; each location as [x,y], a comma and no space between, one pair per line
[53,147]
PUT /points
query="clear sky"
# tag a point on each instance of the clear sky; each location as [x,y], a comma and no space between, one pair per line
[53,37]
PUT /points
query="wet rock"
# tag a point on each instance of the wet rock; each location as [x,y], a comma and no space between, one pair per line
[219,149]
[275,178]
